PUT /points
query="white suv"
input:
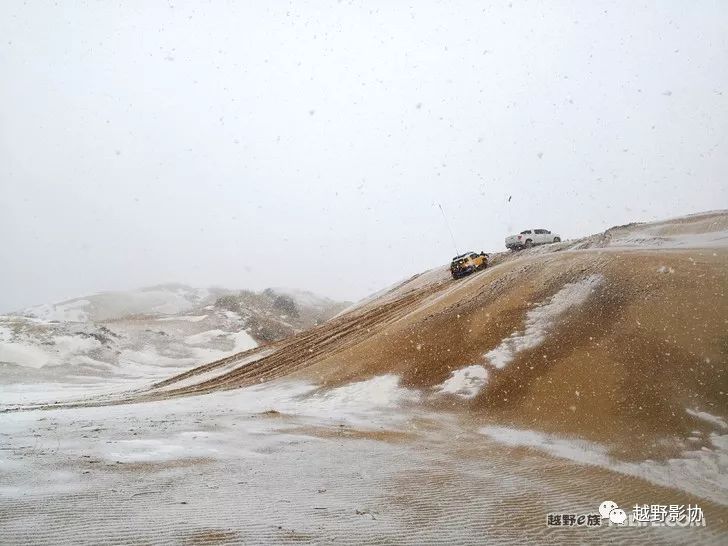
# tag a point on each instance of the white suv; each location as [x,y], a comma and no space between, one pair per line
[531,237]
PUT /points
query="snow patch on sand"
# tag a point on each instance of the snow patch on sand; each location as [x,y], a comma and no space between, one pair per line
[580,451]
[465,382]
[217,371]
[6,334]
[186,318]
[708,418]
[701,472]
[149,357]
[654,238]
[204,337]
[23,355]
[224,425]
[74,345]
[378,392]
[242,340]
[541,319]
[187,445]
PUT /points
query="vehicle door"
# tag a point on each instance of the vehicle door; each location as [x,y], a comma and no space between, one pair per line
[540,236]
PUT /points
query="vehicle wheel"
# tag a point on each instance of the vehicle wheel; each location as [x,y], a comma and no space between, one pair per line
[529,243]
[557,239]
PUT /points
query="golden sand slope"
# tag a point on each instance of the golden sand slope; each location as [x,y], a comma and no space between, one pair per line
[649,341]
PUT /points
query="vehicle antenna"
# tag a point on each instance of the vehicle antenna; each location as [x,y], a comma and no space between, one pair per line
[457,252]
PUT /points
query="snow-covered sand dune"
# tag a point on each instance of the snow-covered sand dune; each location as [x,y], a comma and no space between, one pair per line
[439,411]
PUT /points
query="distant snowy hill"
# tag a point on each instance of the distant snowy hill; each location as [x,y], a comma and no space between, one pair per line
[137,336]
[304,298]
[167,299]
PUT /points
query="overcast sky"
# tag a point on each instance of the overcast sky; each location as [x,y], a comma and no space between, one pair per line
[306,144]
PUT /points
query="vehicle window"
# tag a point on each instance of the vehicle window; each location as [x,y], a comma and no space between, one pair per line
[527,232]
[540,231]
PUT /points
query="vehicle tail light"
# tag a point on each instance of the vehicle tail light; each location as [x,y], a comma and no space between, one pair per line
[520,236]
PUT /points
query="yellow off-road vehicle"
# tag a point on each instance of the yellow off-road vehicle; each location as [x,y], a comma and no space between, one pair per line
[468,263]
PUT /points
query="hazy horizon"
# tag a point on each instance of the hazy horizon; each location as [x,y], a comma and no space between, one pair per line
[308,145]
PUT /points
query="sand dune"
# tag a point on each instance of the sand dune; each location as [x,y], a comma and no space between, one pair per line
[560,375]
[605,344]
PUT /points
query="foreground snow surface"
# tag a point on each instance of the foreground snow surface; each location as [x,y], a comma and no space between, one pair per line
[292,462]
